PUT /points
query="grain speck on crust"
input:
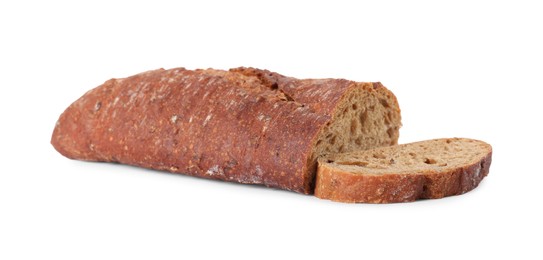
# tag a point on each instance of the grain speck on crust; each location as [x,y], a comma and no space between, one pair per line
[215,170]
[173,119]
[208,117]
[97,106]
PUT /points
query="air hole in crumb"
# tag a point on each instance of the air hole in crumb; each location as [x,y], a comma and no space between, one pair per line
[329,161]
[355,163]
[363,117]
[341,149]
[429,161]
[358,141]
[413,154]
[354,126]
[391,132]
[384,103]
[379,156]
[388,118]
[449,141]
[319,142]
[355,107]
[333,140]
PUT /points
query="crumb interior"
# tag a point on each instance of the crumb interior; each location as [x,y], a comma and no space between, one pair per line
[436,155]
[363,120]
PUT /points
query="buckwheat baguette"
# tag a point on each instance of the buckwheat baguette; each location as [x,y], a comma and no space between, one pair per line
[422,170]
[243,125]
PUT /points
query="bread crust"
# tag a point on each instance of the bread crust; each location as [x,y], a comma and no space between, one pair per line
[342,186]
[244,125]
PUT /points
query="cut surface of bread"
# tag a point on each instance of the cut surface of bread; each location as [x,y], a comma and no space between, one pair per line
[367,117]
[422,170]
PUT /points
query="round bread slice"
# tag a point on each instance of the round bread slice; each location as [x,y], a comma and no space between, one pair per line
[423,170]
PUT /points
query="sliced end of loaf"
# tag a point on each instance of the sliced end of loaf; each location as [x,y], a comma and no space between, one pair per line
[422,170]
[367,116]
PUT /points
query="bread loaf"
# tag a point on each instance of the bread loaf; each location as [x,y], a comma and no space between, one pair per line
[243,125]
[423,170]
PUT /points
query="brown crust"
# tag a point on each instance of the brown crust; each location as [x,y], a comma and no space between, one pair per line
[343,186]
[244,125]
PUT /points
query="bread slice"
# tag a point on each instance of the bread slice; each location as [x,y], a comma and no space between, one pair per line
[423,170]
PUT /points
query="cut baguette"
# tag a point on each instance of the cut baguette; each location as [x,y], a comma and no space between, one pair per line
[244,125]
[423,170]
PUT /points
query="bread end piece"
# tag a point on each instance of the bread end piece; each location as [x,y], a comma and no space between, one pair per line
[344,186]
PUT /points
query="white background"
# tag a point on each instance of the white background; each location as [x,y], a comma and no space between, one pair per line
[464,68]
